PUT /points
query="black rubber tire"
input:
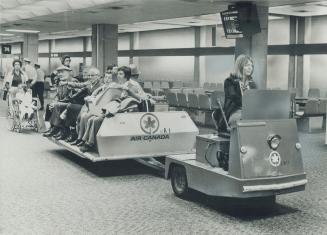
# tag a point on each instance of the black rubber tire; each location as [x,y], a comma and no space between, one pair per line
[179,181]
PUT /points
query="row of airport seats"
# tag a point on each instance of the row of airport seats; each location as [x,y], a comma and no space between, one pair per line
[213,86]
[156,87]
[314,93]
[313,108]
[180,84]
[192,101]
[187,90]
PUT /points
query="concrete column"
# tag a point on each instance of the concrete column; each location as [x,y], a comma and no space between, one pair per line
[197,42]
[131,46]
[299,59]
[31,46]
[292,58]
[104,45]
[84,50]
[52,47]
[205,41]
[136,45]
[307,58]
[256,47]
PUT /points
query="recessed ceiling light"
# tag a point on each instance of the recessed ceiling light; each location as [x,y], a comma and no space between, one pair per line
[92,12]
[22,30]
[190,0]
[116,8]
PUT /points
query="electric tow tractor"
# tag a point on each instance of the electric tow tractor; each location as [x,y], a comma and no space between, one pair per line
[261,157]
[141,136]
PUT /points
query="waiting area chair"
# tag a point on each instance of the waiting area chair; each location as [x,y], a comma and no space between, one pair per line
[182,100]
[313,108]
[193,101]
[177,84]
[172,99]
[204,103]
[314,93]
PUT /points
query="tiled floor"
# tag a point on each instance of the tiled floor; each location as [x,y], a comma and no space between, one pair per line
[47,190]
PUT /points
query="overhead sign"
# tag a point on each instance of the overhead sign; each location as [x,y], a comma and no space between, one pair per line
[231,24]
[6,49]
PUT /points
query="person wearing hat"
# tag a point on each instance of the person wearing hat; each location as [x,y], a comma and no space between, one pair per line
[65,61]
[29,70]
[55,109]
[135,73]
[38,85]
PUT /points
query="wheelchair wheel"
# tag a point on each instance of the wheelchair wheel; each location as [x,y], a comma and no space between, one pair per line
[36,121]
[11,120]
[14,120]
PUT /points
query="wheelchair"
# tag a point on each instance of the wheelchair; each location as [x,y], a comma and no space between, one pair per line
[18,122]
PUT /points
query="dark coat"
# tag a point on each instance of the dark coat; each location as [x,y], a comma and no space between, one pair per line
[233,95]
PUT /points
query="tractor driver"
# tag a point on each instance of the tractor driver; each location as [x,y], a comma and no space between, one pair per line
[235,85]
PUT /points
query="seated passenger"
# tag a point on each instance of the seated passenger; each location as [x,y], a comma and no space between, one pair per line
[234,87]
[77,101]
[95,103]
[130,89]
[26,104]
[54,110]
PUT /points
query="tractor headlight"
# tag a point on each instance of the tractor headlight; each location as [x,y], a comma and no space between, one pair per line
[274,141]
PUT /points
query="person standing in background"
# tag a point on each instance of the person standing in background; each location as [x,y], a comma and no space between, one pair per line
[38,85]
[65,61]
[15,77]
[135,73]
[29,70]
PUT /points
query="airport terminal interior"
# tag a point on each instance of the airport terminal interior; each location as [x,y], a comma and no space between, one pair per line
[163,117]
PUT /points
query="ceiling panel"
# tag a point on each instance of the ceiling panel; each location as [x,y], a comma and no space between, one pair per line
[51,16]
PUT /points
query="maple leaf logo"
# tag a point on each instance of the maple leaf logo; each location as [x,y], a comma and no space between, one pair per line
[149,123]
[275,159]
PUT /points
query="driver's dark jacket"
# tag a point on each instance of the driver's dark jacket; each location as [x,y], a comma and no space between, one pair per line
[233,95]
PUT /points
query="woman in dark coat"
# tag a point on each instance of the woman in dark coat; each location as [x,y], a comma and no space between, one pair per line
[234,87]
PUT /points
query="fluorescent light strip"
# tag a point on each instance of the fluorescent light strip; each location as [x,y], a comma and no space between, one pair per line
[22,31]
[6,34]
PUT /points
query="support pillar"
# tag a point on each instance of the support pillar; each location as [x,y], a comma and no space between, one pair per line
[131,46]
[299,59]
[256,46]
[104,45]
[134,45]
[196,78]
[307,57]
[292,57]
[31,46]
[206,40]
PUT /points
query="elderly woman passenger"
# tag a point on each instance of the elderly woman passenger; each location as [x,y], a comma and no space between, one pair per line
[129,88]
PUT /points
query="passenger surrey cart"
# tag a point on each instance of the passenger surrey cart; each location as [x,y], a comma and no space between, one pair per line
[141,136]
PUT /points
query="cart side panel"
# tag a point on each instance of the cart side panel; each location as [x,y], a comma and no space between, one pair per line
[144,134]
